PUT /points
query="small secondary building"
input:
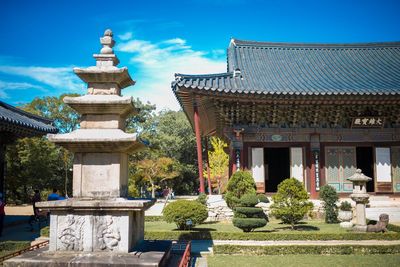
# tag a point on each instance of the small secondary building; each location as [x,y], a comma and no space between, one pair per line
[316,112]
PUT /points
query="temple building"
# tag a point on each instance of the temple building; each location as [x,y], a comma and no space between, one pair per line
[316,112]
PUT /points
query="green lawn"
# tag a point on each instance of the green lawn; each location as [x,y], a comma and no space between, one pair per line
[274,226]
[305,260]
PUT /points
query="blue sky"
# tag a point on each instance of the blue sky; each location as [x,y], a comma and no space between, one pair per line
[43,40]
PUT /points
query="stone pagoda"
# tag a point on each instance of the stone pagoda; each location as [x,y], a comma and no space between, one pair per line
[99,217]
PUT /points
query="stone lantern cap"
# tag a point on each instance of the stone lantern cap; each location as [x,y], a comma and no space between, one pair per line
[359,177]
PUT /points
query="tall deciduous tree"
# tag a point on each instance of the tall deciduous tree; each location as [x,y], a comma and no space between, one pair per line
[156,171]
[218,161]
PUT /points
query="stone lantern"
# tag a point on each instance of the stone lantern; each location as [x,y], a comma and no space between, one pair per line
[361,197]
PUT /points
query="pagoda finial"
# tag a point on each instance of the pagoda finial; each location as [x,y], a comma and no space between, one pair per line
[108,42]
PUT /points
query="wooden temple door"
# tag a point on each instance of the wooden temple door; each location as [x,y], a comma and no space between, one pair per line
[340,163]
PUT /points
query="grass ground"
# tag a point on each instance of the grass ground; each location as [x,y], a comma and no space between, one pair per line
[274,226]
[305,260]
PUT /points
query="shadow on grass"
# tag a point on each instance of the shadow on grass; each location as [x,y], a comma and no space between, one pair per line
[198,230]
[300,228]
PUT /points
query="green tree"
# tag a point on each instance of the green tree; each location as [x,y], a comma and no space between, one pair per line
[155,171]
[65,118]
[32,163]
[168,134]
[218,161]
[290,203]
[329,195]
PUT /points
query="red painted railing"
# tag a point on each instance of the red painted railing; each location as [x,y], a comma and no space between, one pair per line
[19,252]
[186,256]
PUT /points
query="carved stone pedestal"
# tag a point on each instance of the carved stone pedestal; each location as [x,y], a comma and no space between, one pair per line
[96,225]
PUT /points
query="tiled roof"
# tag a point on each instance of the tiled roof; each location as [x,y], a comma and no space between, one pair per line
[306,69]
[13,117]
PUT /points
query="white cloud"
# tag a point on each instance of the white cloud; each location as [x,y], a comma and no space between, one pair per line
[61,78]
[157,63]
[6,87]
[125,36]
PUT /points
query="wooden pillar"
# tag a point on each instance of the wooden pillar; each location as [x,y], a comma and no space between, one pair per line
[199,148]
[313,192]
[208,170]
[315,166]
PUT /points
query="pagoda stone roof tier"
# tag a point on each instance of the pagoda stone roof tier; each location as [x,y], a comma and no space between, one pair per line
[22,123]
[97,140]
[102,104]
[110,74]
[262,68]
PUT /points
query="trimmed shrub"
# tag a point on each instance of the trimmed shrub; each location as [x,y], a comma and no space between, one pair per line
[329,195]
[262,198]
[240,183]
[248,200]
[246,216]
[290,202]
[153,218]
[262,236]
[249,224]
[202,198]
[345,206]
[249,212]
[307,249]
[181,211]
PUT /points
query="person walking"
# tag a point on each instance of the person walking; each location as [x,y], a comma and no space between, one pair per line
[2,213]
[36,198]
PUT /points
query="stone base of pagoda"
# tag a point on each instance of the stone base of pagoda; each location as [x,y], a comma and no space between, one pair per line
[96,225]
[43,258]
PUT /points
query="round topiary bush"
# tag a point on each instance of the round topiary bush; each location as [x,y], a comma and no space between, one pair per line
[262,198]
[182,212]
[246,216]
[329,195]
[240,183]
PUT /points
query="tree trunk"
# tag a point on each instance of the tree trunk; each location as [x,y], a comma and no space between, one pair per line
[153,191]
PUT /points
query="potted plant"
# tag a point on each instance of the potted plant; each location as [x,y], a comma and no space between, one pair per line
[345,214]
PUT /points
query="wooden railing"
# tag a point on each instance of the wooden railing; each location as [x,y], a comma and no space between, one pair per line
[186,256]
[19,252]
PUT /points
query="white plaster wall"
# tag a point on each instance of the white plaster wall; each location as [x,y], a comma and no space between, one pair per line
[383,164]
[257,165]
[296,163]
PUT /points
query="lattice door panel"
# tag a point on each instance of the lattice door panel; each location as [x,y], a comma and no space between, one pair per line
[395,151]
[340,164]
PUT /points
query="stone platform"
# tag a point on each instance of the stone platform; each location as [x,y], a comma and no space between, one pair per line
[150,253]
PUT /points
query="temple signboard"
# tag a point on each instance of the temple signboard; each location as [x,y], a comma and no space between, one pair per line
[367,122]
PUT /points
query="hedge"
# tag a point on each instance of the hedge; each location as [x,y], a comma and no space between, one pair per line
[153,218]
[306,249]
[260,236]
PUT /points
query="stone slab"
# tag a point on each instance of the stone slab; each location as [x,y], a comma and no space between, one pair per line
[42,257]
[91,204]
